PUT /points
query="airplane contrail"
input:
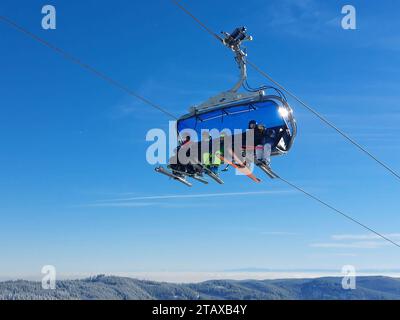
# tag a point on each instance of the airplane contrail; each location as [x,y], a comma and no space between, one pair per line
[203,195]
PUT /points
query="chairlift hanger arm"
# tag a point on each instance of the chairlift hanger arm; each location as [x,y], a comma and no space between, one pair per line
[234,42]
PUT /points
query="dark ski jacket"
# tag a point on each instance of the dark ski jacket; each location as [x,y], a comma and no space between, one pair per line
[259,136]
[270,135]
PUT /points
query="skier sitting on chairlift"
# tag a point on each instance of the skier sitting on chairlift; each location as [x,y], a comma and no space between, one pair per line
[211,158]
[180,168]
[264,142]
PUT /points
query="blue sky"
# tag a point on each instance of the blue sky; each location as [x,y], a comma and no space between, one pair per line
[76,190]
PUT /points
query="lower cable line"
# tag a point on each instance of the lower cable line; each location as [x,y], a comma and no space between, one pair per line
[337,211]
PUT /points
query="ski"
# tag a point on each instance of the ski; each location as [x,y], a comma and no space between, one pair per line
[193,176]
[211,174]
[199,179]
[172,176]
[267,170]
[246,171]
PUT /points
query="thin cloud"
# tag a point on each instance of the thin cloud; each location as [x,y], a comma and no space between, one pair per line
[148,204]
[124,204]
[193,196]
[351,245]
[357,241]
[371,236]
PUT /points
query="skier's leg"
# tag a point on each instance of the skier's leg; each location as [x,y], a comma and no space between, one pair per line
[267,154]
[259,152]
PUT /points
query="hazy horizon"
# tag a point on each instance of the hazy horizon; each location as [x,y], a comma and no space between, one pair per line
[194,277]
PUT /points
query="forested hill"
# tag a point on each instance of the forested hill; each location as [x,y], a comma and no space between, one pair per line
[110,287]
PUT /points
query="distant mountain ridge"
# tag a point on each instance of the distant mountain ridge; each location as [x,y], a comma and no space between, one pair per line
[121,288]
